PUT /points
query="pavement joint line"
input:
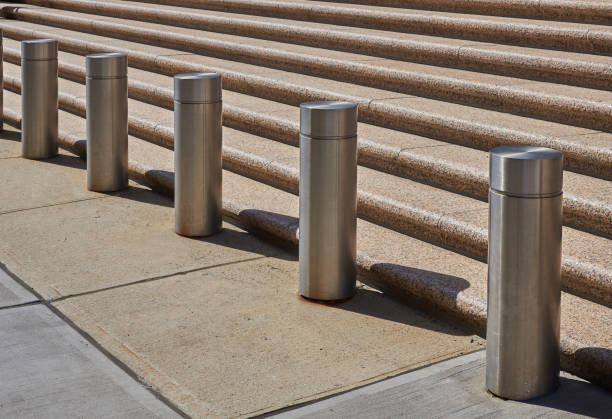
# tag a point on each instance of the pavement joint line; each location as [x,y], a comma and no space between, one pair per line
[12,157]
[29,303]
[155,278]
[112,358]
[122,193]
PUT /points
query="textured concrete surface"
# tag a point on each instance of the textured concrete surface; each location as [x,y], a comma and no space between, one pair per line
[50,371]
[237,340]
[456,388]
[11,293]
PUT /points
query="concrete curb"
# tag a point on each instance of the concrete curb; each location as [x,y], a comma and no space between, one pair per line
[578,358]
[556,10]
[461,237]
[579,213]
[588,41]
[592,161]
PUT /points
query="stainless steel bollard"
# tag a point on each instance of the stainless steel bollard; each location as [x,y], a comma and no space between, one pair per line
[107,122]
[524,285]
[197,154]
[39,98]
[328,200]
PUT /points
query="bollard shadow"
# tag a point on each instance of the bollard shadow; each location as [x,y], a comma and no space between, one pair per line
[245,241]
[577,397]
[67,160]
[380,305]
[10,135]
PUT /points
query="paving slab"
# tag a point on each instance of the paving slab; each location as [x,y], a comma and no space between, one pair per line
[50,371]
[236,340]
[12,293]
[456,388]
[88,245]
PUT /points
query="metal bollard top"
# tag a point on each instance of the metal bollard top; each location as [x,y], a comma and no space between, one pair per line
[39,49]
[197,88]
[526,171]
[328,120]
[106,66]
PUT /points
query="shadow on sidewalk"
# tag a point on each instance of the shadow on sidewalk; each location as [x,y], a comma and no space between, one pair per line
[10,134]
[578,397]
[380,305]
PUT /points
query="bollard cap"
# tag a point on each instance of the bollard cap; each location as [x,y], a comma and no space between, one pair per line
[328,120]
[526,171]
[197,88]
[106,66]
[39,49]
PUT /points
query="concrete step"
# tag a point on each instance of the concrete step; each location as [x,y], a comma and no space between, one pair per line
[435,279]
[594,11]
[582,38]
[537,99]
[585,151]
[424,212]
[590,71]
[587,202]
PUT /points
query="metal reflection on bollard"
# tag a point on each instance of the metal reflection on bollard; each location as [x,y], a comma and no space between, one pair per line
[107,122]
[39,98]
[524,284]
[197,154]
[328,200]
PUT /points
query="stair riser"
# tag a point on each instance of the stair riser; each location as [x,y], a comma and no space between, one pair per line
[443,231]
[560,10]
[413,285]
[578,213]
[531,35]
[585,74]
[591,161]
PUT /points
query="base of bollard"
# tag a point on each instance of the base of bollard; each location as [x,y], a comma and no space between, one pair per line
[324,302]
[490,393]
[41,158]
[195,236]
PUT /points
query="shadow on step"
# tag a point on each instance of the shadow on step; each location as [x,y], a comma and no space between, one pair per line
[376,304]
[579,398]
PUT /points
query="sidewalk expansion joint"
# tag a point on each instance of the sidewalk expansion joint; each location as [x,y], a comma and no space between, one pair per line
[53,205]
[124,367]
[29,303]
[121,193]
[155,278]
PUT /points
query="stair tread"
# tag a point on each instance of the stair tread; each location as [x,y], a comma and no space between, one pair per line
[486,46]
[450,110]
[442,21]
[586,187]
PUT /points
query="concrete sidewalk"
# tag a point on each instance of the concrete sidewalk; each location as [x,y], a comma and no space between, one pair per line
[213,326]
[456,388]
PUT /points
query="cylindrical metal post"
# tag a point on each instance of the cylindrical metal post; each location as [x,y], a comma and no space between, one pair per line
[524,284]
[328,200]
[197,154]
[39,98]
[107,122]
